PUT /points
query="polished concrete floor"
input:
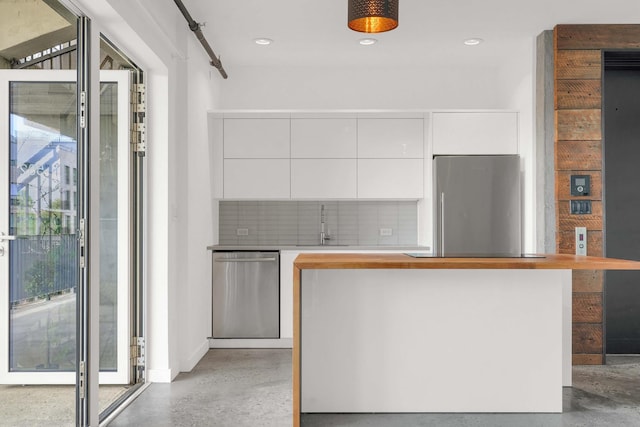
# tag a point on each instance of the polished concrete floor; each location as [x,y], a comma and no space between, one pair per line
[47,405]
[253,388]
[227,388]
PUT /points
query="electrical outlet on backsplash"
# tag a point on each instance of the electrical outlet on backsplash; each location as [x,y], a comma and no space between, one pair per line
[364,223]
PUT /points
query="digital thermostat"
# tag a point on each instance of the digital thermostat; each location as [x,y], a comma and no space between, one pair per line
[580,185]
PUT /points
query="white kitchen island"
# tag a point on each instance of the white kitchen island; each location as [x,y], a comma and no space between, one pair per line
[391,333]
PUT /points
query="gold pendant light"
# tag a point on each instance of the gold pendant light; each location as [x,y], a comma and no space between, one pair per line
[373,16]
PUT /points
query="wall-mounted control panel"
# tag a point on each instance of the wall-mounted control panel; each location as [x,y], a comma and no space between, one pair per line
[580,185]
[581,240]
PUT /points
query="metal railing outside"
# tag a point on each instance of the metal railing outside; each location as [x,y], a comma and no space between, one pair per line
[41,266]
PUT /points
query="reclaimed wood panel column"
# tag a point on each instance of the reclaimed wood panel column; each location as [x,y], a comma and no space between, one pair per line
[578,141]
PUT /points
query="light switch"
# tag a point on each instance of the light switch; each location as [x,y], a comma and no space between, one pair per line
[242,231]
[580,207]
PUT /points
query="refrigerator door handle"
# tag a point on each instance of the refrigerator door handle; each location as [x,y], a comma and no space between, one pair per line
[442,223]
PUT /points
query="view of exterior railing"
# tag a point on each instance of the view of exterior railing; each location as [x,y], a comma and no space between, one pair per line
[48,269]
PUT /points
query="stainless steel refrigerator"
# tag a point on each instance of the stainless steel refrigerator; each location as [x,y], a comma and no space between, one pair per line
[477,206]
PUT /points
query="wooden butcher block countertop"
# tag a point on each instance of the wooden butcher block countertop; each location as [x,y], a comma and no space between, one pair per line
[403,261]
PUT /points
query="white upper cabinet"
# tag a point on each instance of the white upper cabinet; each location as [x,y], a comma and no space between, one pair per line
[257,138]
[323,178]
[390,178]
[323,138]
[391,138]
[475,133]
[345,155]
[256,179]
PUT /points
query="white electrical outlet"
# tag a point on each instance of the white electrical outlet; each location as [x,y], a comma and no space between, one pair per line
[386,231]
[242,231]
[581,240]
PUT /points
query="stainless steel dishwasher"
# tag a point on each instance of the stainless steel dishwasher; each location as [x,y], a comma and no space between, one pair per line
[246,295]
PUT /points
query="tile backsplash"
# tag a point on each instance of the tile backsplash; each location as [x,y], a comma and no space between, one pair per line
[298,222]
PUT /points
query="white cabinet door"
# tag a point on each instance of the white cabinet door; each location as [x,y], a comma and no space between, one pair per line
[475,133]
[323,138]
[390,178]
[391,138]
[256,179]
[323,178]
[256,138]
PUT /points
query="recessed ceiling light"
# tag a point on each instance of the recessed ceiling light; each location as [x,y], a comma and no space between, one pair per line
[367,42]
[473,42]
[263,41]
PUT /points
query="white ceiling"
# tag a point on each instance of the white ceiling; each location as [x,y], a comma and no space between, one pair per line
[431,32]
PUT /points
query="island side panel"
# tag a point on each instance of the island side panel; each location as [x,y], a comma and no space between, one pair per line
[432,340]
[566,278]
[296,347]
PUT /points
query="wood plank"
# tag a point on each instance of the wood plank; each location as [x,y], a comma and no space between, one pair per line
[563,184]
[578,125]
[579,155]
[327,260]
[598,36]
[587,281]
[295,358]
[578,64]
[567,242]
[587,307]
[568,222]
[575,94]
[588,359]
[587,338]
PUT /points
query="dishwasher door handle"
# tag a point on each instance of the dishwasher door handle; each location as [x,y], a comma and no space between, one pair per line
[245,259]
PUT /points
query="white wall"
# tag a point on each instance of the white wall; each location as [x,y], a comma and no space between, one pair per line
[180,89]
[359,88]
[202,94]
[517,92]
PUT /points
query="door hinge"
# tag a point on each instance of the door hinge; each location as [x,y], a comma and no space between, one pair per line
[137,351]
[138,137]
[138,125]
[81,380]
[82,242]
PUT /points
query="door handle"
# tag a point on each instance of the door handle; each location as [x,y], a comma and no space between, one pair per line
[4,237]
[244,259]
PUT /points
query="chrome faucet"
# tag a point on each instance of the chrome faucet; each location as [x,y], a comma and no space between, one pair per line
[324,236]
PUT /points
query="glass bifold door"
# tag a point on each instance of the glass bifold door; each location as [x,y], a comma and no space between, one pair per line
[39,231]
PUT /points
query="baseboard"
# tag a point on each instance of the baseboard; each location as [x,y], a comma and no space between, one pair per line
[159,375]
[195,357]
[251,343]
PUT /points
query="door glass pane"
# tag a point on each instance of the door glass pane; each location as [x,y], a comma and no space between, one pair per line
[108,225]
[42,271]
